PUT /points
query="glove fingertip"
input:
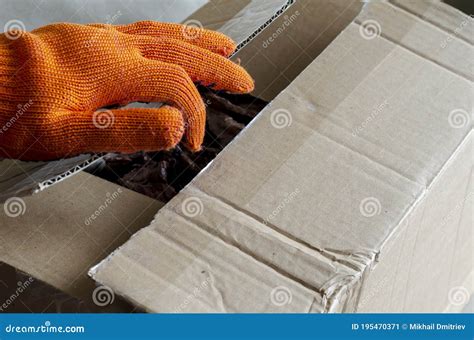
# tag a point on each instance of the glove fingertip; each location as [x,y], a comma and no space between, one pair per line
[219,43]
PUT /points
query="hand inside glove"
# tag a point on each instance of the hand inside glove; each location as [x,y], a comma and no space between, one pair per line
[54,80]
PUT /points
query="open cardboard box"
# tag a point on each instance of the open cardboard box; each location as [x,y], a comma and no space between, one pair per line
[351,191]
[242,21]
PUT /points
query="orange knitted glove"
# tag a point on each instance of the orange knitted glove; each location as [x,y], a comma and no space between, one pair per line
[54,79]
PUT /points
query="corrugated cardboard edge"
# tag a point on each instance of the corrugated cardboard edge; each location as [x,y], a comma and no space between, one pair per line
[42,179]
[263,26]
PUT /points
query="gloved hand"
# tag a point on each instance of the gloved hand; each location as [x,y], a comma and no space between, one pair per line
[54,79]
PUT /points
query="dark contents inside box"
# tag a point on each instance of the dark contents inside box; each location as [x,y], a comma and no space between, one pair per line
[161,175]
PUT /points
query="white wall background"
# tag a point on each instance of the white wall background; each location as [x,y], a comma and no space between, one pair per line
[36,13]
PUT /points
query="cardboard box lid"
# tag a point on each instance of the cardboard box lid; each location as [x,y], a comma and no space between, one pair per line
[242,21]
[291,214]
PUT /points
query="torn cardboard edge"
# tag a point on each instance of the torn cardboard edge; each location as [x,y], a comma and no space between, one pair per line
[46,174]
[320,255]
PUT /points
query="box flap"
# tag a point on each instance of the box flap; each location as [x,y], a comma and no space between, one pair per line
[84,220]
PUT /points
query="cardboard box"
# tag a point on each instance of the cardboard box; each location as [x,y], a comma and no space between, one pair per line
[350,192]
[58,234]
[242,21]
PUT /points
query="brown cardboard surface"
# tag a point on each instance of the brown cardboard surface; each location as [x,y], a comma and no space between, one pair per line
[53,236]
[293,41]
[429,258]
[360,159]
